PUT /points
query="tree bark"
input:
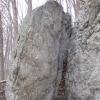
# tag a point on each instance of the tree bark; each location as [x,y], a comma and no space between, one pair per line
[29,4]
[1,51]
[15,17]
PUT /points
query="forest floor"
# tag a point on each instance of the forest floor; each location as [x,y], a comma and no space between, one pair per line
[61,89]
[2,90]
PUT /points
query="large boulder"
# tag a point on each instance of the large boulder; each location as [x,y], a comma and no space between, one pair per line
[83,74]
[38,57]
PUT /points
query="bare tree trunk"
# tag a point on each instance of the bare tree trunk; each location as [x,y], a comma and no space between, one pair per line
[1,51]
[29,4]
[9,41]
[15,17]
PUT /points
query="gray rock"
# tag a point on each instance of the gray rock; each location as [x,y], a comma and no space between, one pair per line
[83,74]
[38,57]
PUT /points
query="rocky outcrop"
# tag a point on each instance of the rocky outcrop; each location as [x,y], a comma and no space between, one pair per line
[38,58]
[83,74]
[47,51]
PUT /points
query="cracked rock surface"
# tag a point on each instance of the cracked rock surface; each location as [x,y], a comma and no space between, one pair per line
[83,74]
[38,56]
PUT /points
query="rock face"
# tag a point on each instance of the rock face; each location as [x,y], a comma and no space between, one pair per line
[83,74]
[45,42]
[38,57]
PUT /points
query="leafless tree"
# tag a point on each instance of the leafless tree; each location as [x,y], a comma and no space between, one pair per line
[15,17]
[1,50]
[29,4]
[5,7]
[75,4]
